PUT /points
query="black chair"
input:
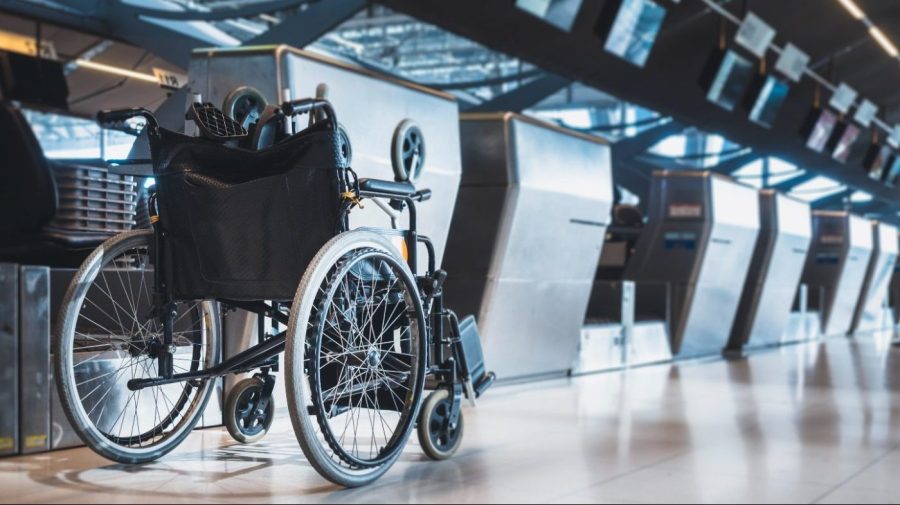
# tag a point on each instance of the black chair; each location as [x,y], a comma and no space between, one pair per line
[55,213]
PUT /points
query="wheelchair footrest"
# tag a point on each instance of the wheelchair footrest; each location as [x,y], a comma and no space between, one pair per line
[472,356]
[484,383]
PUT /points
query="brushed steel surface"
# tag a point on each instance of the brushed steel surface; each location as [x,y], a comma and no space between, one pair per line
[526,238]
[869,311]
[837,263]
[9,358]
[774,275]
[368,105]
[34,359]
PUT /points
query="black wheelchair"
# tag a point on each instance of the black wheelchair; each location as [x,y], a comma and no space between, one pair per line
[266,229]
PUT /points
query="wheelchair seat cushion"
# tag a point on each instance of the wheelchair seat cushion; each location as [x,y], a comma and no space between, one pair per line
[28,193]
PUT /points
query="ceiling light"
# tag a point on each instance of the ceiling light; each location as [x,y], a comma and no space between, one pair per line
[109,69]
[883,41]
[852,8]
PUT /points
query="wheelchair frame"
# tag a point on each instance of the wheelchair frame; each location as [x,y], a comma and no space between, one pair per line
[446,369]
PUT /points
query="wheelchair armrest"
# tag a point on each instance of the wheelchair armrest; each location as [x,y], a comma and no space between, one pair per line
[386,189]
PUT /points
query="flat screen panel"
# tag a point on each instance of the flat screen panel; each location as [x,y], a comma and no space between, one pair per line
[769,101]
[821,130]
[634,30]
[845,142]
[877,159]
[559,13]
[893,174]
[734,75]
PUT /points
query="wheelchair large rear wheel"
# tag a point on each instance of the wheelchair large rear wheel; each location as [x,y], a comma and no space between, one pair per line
[106,336]
[356,358]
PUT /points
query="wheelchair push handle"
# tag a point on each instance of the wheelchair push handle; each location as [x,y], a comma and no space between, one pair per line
[115,119]
[307,106]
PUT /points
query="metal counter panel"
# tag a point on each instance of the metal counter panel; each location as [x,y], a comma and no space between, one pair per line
[34,359]
[723,272]
[869,313]
[775,272]
[849,286]
[554,195]
[9,358]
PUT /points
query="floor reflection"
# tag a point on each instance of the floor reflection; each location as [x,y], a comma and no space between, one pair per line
[803,423]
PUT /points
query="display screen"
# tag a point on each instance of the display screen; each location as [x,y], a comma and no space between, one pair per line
[769,101]
[821,130]
[634,30]
[893,174]
[559,13]
[731,81]
[842,148]
[878,159]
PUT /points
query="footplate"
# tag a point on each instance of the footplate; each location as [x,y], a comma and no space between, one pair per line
[470,357]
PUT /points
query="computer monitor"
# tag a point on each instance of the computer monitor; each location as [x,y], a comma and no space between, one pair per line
[842,139]
[727,78]
[630,28]
[819,127]
[878,160]
[559,13]
[768,101]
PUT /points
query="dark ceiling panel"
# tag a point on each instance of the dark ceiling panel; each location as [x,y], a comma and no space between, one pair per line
[670,81]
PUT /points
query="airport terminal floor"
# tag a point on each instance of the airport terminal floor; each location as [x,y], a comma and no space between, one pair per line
[812,423]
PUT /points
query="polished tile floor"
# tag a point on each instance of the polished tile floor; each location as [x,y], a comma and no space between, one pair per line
[813,423]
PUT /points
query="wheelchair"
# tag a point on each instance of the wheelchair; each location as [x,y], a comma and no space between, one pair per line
[264,228]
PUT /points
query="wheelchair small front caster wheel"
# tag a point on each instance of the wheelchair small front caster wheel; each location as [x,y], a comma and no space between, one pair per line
[438,439]
[246,422]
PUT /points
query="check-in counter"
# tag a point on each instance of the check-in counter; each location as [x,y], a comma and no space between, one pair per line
[774,275]
[836,267]
[529,223]
[894,291]
[871,310]
[692,257]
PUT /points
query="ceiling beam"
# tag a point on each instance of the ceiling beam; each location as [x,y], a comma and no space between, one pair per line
[628,148]
[523,96]
[836,201]
[793,182]
[307,26]
[731,164]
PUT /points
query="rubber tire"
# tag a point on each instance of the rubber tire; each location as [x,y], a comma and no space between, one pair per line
[424,428]
[296,386]
[90,435]
[230,417]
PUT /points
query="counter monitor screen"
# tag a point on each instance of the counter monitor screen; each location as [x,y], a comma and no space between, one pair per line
[845,143]
[731,80]
[559,13]
[893,174]
[877,161]
[634,30]
[821,130]
[769,101]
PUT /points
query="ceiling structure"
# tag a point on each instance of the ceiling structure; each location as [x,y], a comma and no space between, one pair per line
[492,55]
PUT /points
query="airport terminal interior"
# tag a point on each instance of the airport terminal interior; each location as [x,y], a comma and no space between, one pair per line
[468,251]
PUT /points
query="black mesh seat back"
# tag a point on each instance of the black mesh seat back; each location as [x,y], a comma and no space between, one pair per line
[243,225]
[28,193]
